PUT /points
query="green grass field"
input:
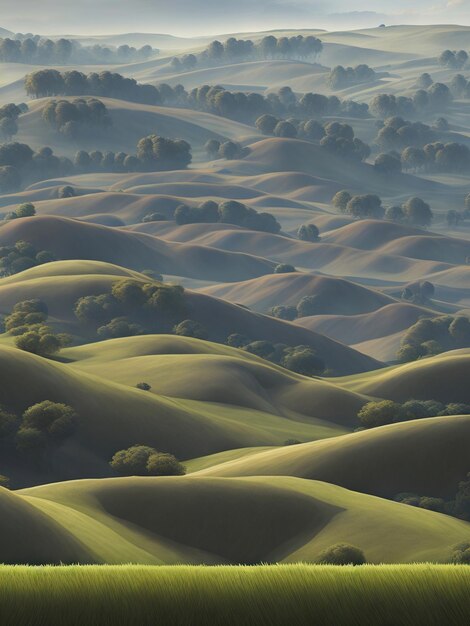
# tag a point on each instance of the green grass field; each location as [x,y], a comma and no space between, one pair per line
[267,595]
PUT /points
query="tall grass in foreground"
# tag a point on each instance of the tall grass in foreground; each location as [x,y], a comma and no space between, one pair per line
[286,595]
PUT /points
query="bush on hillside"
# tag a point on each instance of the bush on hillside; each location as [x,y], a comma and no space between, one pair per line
[461,553]
[383,412]
[191,328]
[380,413]
[303,360]
[43,426]
[24,210]
[27,324]
[54,419]
[75,118]
[119,327]
[143,386]
[130,307]
[283,312]
[228,212]
[432,336]
[342,554]
[308,232]
[146,461]
[22,256]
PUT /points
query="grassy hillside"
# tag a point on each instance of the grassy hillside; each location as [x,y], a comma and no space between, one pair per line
[115,415]
[64,286]
[199,370]
[198,519]
[131,122]
[426,456]
[439,378]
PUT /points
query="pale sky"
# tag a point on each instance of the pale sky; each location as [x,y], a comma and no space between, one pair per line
[206,17]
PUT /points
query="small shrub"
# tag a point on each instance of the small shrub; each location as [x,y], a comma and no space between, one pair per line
[145,461]
[342,554]
[191,328]
[461,553]
[143,386]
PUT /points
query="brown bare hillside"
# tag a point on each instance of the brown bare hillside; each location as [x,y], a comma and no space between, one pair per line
[353,329]
[71,239]
[332,295]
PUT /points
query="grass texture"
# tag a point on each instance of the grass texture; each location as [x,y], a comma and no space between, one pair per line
[265,595]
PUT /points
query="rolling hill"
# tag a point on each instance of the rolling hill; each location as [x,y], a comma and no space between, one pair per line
[248,520]
[72,239]
[61,289]
[331,295]
[427,456]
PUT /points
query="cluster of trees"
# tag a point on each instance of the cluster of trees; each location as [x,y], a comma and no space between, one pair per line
[436,98]
[9,114]
[130,308]
[160,153]
[301,359]
[20,164]
[228,212]
[333,136]
[27,323]
[75,118]
[49,82]
[341,77]
[24,210]
[42,427]
[248,106]
[225,150]
[396,134]
[191,328]
[429,337]
[433,157]
[153,154]
[384,412]
[414,211]
[461,552]
[308,232]
[458,507]
[453,59]
[454,217]
[214,99]
[184,63]
[308,305]
[21,256]
[236,50]
[450,157]
[460,86]
[146,461]
[34,49]
[361,206]
[420,292]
